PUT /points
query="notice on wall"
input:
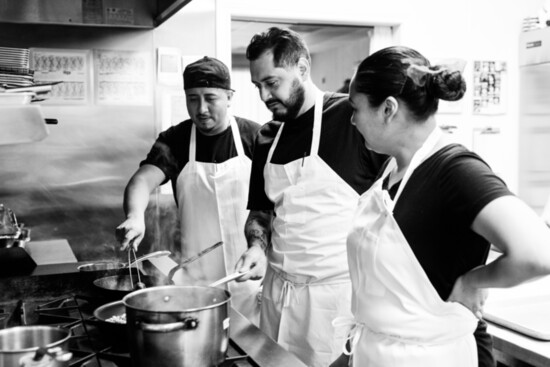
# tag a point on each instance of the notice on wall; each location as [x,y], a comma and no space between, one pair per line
[169,67]
[489,88]
[489,145]
[119,16]
[123,77]
[70,67]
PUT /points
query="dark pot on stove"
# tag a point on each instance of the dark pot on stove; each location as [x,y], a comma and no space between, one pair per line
[178,326]
[115,333]
[115,287]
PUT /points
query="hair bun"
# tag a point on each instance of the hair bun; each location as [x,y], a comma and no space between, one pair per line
[449,86]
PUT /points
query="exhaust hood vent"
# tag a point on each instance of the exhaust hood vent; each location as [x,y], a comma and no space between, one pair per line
[101,13]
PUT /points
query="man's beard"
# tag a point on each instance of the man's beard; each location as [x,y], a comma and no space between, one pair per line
[293,104]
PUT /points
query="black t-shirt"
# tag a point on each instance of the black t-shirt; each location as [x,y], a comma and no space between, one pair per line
[341,146]
[170,152]
[437,208]
[435,212]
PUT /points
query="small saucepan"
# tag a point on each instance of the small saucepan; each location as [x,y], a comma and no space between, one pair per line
[116,265]
[34,346]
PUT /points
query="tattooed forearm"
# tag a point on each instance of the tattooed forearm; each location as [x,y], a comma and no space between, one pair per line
[258,228]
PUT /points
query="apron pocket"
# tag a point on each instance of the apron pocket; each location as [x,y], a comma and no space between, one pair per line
[369,252]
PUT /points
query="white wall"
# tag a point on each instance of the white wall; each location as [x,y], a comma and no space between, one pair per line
[469,29]
[330,68]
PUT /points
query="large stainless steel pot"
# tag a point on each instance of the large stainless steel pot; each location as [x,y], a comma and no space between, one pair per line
[20,344]
[178,326]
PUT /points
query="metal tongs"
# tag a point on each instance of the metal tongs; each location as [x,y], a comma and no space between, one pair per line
[139,284]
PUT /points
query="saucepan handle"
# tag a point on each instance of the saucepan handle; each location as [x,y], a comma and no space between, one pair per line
[188,323]
[45,357]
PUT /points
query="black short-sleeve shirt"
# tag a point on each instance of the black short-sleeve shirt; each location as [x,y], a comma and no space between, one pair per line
[435,213]
[436,210]
[341,146]
[170,152]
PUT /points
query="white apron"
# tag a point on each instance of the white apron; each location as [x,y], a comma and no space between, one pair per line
[212,201]
[307,281]
[400,318]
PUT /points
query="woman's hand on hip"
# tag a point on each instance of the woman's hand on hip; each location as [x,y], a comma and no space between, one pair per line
[470,297]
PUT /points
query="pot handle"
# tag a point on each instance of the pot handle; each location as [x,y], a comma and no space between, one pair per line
[188,323]
[44,357]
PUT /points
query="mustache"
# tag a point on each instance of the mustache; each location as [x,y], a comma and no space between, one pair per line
[272,101]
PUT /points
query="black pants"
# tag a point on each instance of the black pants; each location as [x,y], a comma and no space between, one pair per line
[484,343]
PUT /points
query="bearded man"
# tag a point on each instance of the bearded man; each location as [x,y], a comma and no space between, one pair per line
[310,166]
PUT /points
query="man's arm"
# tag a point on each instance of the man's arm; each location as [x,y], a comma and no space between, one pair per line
[258,235]
[257,228]
[136,199]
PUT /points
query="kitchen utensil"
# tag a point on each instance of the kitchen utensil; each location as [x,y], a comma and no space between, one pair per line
[21,343]
[116,334]
[192,258]
[11,233]
[139,284]
[115,287]
[178,326]
[227,279]
[114,265]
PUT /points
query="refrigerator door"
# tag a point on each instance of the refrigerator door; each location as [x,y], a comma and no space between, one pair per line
[534,135]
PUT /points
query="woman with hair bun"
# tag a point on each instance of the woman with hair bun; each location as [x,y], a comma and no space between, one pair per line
[422,233]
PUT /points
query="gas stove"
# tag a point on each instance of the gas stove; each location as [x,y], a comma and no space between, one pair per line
[60,295]
[88,346]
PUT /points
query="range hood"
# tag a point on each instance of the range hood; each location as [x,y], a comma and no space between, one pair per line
[100,13]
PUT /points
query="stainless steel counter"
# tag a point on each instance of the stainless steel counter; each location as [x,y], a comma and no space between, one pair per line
[262,349]
[515,349]
[518,319]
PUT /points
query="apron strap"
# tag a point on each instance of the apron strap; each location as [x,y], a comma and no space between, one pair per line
[318,116]
[193,143]
[418,157]
[275,141]
[287,292]
[354,334]
[236,136]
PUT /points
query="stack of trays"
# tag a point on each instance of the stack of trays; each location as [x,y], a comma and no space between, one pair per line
[14,68]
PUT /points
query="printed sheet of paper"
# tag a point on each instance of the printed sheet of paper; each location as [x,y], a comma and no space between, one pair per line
[123,77]
[490,84]
[71,67]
